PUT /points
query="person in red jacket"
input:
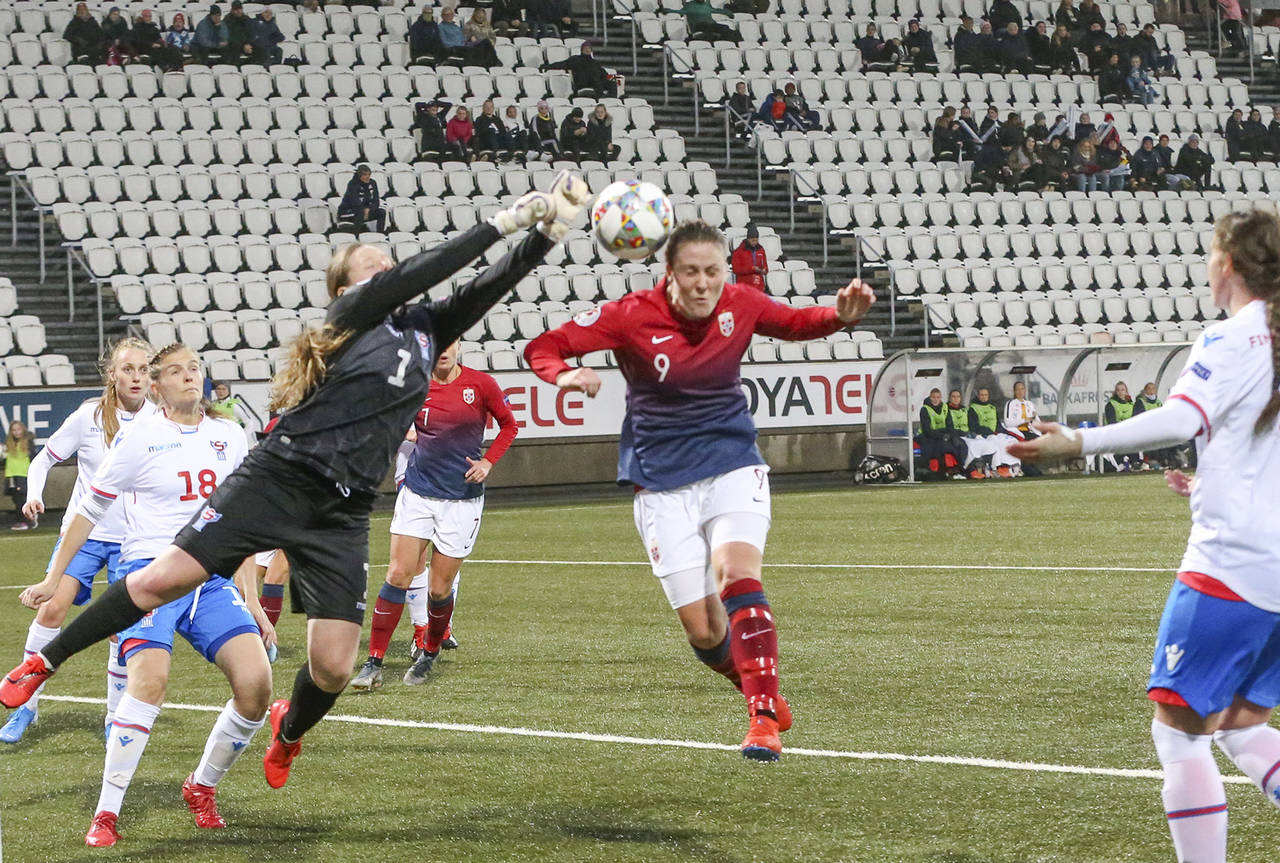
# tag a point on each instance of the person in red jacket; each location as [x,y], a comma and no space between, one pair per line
[749,261]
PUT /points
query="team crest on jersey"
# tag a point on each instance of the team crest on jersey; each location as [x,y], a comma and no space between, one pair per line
[654,555]
[469,395]
[148,620]
[587,317]
[220,447]
[726,324]
[424,342]
[207,516]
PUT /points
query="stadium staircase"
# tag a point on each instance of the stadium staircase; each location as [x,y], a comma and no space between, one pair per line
[1265,89]
[772,207]
[47,299]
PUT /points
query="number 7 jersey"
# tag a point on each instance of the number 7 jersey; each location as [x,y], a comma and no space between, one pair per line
[162,472]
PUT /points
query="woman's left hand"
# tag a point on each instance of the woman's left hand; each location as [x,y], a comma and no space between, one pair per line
[37,594]
[479,469]
[853,301]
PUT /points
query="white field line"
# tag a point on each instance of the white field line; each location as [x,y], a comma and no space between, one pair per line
[586,737]
[977,567]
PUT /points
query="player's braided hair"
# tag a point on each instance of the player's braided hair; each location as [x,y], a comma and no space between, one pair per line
[309,352]
[1252,240]
[692,231]
[155,364]
[109,401]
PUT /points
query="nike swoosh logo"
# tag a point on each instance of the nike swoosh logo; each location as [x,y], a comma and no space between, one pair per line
[657,340]
[747,635]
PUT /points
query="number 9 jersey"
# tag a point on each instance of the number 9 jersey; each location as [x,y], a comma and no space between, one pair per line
[161,473]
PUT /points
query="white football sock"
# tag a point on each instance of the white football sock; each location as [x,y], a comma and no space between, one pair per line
[117,679]
[1256,751]
[417,598]
[37,637]
[228,739]
[457,580]
[1195,802]
[129,735]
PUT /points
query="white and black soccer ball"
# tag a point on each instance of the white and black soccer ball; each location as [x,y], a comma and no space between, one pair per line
[632,219]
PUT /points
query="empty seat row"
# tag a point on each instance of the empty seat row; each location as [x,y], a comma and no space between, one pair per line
[1148,273]
[17,370]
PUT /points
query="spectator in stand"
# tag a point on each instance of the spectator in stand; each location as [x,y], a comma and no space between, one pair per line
[599,141]
[573,134]
[1233,131]
[519,135]
[1194,164]
[459,132]
[699,17]
[1112,86]
[1084,166]
[749,262]
[1015,56]
[773,111]
[550,18]
[543,132]
[742,106]
[797,113]
[990,168]
[1090,14]
[946,137]
[478,41]
[1040,46]
[508,17]
[1232,26]
[1164,155]
[478,27]
[116,30]
[1139,82]
[966,47]
[267,38]
[307,6]
[1273,135]
[1096,47]
[211,40]
[870,46]
[1112,167]
[1062,51]
[1254,140]
[1122,43]
[430,128]
[1012,134]
[990,50]
[456,46]
[1026,168]
[990,123]
[1056,173]
[748,7]
[178,37]
[1146,173]
[240,35]
[919,45]
[1154,57]
[590,77]
[88,42]
[1003,13]
[424,38]
[1038,131]
[1068,16]
[1084,129]
[146,40]
[361,203]
[492,140]
[971,139]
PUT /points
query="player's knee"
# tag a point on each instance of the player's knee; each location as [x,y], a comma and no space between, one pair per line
[253,698]
[330,676]
[399,575]
[728,572]
[150,688]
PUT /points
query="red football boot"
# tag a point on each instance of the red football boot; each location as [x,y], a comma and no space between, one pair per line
[762,742]
[102,832]
[202,801]
[280,755]
[21,683]
[783,709]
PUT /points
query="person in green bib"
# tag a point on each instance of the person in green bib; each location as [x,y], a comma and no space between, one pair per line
[1169,457]
[935,438]
[225,404]
[1119,407]
[19,450]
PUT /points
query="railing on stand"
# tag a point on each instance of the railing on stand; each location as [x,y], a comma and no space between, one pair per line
[676,66]
[16,182]
[732,120]
[75,258]
[863,252]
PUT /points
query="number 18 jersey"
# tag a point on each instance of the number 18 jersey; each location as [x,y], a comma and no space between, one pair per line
[162,472]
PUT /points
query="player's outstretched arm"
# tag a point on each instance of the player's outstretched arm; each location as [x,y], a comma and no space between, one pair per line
[853,301]
[1055,443]
[1173,423]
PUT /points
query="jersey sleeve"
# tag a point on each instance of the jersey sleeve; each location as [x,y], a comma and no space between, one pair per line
[66,441]
[1212,379]
[119,470]
[495,402]
[597,329]
[784,322]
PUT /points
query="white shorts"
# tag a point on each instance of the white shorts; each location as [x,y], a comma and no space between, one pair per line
[264,558]
[680,527]
[451,525]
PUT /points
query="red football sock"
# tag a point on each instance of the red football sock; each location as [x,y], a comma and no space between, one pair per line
[720,660]
[753,643]
[386,615]
[272,601]
[439,611]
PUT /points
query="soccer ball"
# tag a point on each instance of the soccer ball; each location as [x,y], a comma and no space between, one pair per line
[632,219]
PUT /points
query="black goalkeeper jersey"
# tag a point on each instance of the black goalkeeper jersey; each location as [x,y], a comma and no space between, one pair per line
[348,428]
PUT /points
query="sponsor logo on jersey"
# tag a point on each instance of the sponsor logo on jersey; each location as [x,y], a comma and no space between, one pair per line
[1172,656]
[161,447]
[220,447]
[726,324]
[1210,338]
[208,516]
[1200,371]
[587,317]
[469,395]
[657,340]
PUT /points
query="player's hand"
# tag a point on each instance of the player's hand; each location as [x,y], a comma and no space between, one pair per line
[37,594]
[1179,482]
[412,434]
[583,380]
[265,627]
[853,300]
[479,469]
[1055,443]
[32,508]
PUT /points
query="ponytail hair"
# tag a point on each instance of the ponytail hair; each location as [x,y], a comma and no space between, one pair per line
[1252,240]
[109,402]
[311,349]
[692,231]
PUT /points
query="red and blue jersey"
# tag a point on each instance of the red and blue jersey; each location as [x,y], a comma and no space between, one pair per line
[687,416]
[450,429]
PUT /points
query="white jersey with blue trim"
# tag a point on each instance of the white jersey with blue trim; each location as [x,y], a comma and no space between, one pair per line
[1235,502]
[161,472]
[80,435]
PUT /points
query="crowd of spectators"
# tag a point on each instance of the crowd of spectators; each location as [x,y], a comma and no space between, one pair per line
[235,38]
[491,137]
